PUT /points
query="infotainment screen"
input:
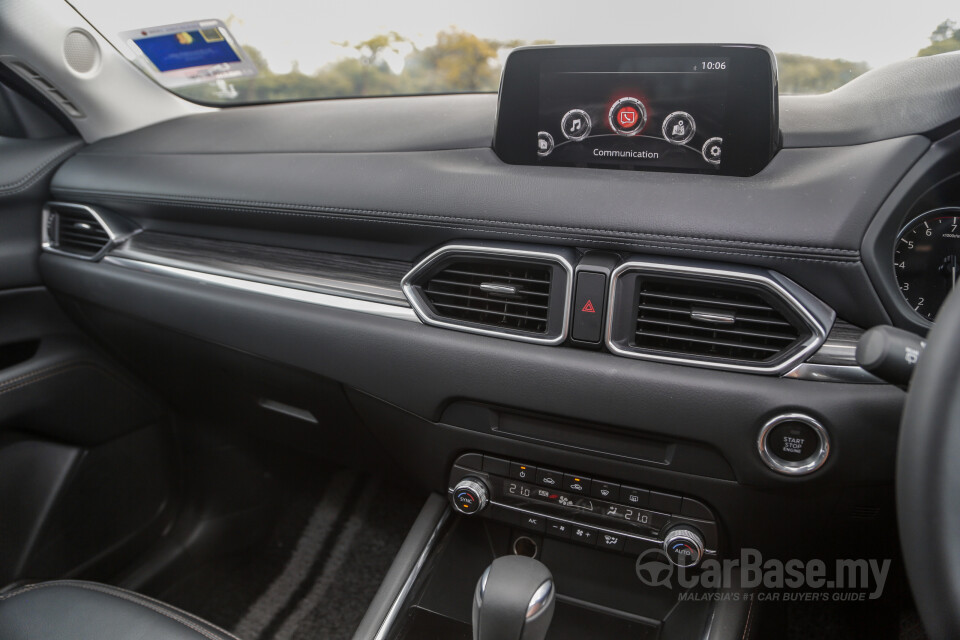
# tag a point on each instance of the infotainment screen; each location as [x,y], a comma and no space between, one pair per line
[697,108]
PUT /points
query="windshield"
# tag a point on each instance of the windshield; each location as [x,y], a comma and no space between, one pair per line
[301,49]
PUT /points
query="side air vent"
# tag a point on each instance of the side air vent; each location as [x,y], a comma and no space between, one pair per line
[515,293]
[81,231]
[713,317]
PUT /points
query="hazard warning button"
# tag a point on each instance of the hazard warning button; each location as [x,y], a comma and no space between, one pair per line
[588,306]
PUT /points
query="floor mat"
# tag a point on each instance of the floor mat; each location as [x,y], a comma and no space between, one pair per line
[318,570]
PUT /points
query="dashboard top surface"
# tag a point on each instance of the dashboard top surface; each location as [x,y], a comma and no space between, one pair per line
[395,177]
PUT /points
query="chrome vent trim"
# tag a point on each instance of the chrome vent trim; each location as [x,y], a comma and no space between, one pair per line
[79,231]
[814,315]
[835,360]
[527,302]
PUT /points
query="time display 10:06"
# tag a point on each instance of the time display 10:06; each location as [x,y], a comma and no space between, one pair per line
[713,65]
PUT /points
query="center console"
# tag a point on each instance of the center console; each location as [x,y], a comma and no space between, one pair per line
[597,591]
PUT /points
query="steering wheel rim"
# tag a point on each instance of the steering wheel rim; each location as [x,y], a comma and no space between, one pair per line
[928,478]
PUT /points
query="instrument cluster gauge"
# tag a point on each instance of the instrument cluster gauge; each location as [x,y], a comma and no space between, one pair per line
[925,259]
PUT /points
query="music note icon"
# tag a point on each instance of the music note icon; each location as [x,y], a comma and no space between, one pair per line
[576,124]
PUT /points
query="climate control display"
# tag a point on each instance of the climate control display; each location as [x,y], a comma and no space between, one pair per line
[649,521]
[593,511]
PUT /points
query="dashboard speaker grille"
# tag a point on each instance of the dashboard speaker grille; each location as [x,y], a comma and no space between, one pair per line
[712,320]
[78,232]
[81,52]
[499,294]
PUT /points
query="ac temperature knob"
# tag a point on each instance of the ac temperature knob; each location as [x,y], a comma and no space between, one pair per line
[470,496]
[683,546]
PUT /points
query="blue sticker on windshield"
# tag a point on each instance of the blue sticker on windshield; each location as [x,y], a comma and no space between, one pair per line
[189,53]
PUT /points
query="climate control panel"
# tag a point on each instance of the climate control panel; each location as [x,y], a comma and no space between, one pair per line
[597,512]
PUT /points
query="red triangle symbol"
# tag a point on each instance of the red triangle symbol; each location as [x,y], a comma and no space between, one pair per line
[588,308]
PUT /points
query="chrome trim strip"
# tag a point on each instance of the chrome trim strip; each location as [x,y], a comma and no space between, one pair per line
[851,374]
[328,286]
[498,288]
[397,605]
[713,317]
[288,410]
[840,348]
[542,598]
[803,467]
[490,250]
[779,286]
[115,234]
[287,293]
[321,272]
[840,352]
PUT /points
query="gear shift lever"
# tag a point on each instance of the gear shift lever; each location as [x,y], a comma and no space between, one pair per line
[514,600]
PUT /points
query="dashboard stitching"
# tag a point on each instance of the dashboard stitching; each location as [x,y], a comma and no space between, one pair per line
[25,182]
[601,242]
[254,207]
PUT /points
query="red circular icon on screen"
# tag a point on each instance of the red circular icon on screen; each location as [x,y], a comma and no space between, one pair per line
[627,116]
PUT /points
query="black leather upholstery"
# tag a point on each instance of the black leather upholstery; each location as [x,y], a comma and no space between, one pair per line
[92,611]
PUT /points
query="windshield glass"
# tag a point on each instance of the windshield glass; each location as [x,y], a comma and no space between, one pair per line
[307,49]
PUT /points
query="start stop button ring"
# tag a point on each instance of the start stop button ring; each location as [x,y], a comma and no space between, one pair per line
[801,454]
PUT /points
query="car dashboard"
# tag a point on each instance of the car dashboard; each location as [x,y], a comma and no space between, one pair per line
[614,355]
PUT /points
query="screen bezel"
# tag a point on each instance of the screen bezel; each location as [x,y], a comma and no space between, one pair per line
[750,114]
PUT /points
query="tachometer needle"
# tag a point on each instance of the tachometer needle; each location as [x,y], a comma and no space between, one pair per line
[951,261]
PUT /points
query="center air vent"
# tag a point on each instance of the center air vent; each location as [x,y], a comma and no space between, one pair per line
[712,321]
[745,321]
[514,293]
[508,295]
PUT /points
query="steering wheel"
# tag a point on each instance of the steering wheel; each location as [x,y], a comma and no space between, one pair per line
[928,478]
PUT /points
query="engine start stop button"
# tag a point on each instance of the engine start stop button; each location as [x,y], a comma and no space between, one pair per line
[793,444]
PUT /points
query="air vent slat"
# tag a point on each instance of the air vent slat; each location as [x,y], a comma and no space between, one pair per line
[685,311]
[706,300]
[81,242]
[521,304]
[487,274]
[494,312]
[490,300]
[83,234]
[716,320]
[477,286]
[713,341]
[685,326]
